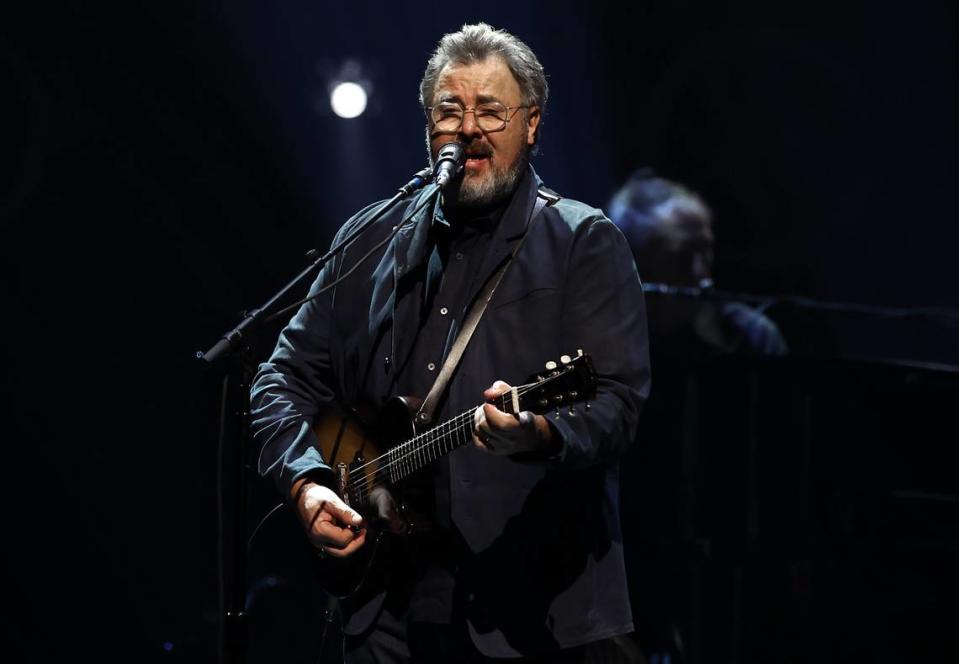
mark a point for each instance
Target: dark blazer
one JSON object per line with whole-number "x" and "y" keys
{"x": 544, "y": 567}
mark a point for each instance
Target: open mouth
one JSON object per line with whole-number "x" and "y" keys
{"x": 476, "y": 159}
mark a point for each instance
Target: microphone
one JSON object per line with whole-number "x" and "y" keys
{"x": 419, "y": 180}
{"x": 449, "y": 163}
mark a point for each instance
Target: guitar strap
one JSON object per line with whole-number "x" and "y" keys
{"x": 544, "y": 198}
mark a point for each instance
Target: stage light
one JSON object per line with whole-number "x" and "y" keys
{"x": 348, "y": 99}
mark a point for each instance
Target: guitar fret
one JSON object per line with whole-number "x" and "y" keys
{"x": 427, "y": 444}
{"x": 408, "y": 458}
{"x": 418, "y": 451}
{"x": 411, "y": 456}
{"x": 419, "y": 454}
{"x": 414, "y": 464}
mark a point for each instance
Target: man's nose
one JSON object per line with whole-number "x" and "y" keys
{"x": 469, "y": 127}
{"x": 700, "y": 266}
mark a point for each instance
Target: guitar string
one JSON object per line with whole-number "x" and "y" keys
{"x": 504, "y": 401}
{"x": 357, "y": 485}
{"x": 522, "y": 389}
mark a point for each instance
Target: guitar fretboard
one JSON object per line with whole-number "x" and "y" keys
{"x": 404, "y": 459}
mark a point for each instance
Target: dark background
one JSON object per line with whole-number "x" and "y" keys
{"x": 166, "y": 165}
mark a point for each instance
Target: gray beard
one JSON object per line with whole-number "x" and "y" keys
{"x": 481, "y": 194}
{"x": 495, "y": 189}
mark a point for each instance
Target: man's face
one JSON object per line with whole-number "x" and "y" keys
{"x": 495, "y": 160}
{"x": 684, "y": 247}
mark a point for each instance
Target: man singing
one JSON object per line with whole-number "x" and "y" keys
{"x": 521, "y": 555}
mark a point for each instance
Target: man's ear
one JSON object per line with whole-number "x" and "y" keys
{"x": 533, "y": 117}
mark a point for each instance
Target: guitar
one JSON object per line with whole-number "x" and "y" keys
{"x": 364, "y": 470}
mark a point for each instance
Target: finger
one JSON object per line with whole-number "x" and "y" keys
{"x": 526, "y": 419}
{"x": 326, "y": 532}
{"x": 327, "y": 512}
{"x": 496, "y": 389}
{"x": 479, "y": 419}
{"x": 349, "y": 549}
{"x": 481, "y": 444}
{"x": 497, "y": 419}
{"x": 343, "y": 512}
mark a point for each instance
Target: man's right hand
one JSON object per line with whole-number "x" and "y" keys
{"x": 332, "y": 526}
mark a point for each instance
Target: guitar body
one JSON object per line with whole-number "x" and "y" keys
{"x": 358, "y": 441}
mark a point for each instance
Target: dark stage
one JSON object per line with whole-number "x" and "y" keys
{"x": 167, "y": 166}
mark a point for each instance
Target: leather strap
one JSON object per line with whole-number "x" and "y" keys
{"x": 426, "y": 411}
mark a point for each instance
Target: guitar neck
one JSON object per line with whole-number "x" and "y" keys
{"x": 423, "y": 449}
{"x": 574, "y": 381}
{"x": 406, "y": 458}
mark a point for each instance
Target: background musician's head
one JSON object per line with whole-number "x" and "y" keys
{"x": 669, "y": 229}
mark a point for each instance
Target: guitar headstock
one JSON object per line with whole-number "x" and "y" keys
{"x": 570, "y": 380}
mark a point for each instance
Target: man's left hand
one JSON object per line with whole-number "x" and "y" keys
{"x": 502, "y": 433}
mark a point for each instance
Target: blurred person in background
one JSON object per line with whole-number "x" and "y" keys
{"x": 670, "y": 231}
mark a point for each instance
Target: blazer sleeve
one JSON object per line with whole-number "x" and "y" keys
{"x": 294, "y": 384}
{"x": 604, "y": 314}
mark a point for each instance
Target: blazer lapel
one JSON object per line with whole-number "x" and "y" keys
{"x": 394, "y": 279}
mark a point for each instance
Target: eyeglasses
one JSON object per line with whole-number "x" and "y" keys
{"x": 447, "y": 117}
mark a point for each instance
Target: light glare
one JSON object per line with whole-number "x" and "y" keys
{"x": 348, "y": 100}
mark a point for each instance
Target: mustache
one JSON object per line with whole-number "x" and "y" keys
{"x": 478, "y": 151}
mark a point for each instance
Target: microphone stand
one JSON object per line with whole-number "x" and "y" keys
{"x": 233, "y": 356}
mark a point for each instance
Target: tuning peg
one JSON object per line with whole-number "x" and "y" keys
{"x": 579, "y": 352}
{"x": 572, "y": 411}
{"x": 565, "y": 359}
{"x": 586, "y": 406}
{"x": 550, "y": 366}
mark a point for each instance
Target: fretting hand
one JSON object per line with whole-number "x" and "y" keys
{"x": 501, "y": 433}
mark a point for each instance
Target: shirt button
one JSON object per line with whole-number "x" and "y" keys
{"x": 431, "y": 366}
{"x": 459, "y": 255}
{"x": 444, "y": 311}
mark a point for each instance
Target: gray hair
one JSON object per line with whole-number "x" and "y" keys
{"x": 475, "y": 43}
{"x": 641, "y": 205}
